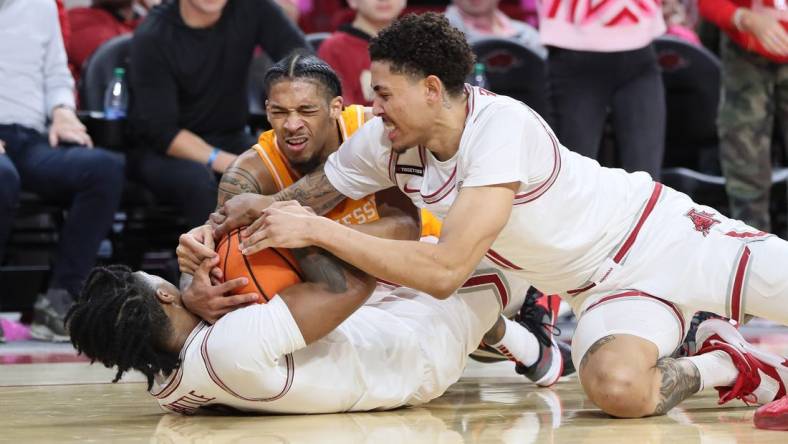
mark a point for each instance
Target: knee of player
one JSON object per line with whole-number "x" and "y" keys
{"x": 617, "y": 388}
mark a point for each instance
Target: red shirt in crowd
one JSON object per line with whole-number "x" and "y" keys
{"x": 721, "y": 13}
{"x": 90, "y": 27}
{"x": 347, "y": 52}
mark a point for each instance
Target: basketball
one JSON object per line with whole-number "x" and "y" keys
{"x": 269, "y": 271}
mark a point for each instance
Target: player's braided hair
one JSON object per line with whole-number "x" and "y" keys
{"x": 118, "y": 322}
{"x": 424, "y": 45}
{"x": 299, "y": 65}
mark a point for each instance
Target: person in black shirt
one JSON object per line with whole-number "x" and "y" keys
{"x": 188, "y": 73}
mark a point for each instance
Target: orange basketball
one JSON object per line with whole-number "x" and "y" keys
{"x": 269, "y": 271}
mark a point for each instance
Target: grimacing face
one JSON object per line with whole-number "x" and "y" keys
{"x": 401, "y": 101}
{"x": 302, "y": 118}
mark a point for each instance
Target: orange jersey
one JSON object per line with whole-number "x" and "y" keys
{"x": 348, "y": 211}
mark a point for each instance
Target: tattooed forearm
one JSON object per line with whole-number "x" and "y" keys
{"x": 313, "y": 190}
{"x": 680, "y": 379}
{"x": 320, "y": 266}
{"x": 237, "y": 180}
{"x": 594, "y": 347}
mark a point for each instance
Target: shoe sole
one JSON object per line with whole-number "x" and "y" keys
{"x": 43, "y": 333}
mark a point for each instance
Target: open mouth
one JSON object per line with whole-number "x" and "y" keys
{"x": 391, "y": 129}
{"x": 296, "y": 143}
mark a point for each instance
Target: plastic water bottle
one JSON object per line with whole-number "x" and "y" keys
{"x": 479, "y": 78}
{"x": 116, "y": 97}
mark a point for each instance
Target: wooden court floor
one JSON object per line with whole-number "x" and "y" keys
{"x": 74, "y": 403}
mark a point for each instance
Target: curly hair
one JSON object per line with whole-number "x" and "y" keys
{"x": 299, "y": 65}
{"x": 424, "y": 45}
{"x": 118, "y": 322}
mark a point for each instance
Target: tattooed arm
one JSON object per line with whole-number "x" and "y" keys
{"x": 333, "y": 291}
{"x": 246, "y": 175}
{"x": 314, "y": 191}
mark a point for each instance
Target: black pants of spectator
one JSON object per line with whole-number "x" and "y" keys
{"x": 586, "y": 85}
{"x": 89, "y": 182}
{"x": 190, "y": 186}
{"x": 9, "y": 198}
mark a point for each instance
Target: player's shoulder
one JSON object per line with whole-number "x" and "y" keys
{"x": 249, "y": 163}
{"x": 502, "y": 110}
{"x": 266, "y": 138}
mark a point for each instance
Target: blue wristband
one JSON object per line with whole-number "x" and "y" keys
{"x": 212, "y": 157}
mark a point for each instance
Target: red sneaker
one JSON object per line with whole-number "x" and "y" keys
{"x": 773, "y": 416}
{"x": 762, "y": 375}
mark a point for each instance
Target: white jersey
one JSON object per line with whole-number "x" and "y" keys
{"x": 400, "y": 348}
{"x": 569, "y": 212}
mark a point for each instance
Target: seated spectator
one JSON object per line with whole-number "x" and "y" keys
{"x": 58, "y": 163}
{"x": 346, "y": 50}
{"x": 482, "y": 18}
{"x": 90, "y": 27}
{"x": 189, "y": 67}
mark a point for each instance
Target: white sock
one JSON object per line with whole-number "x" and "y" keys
{"x": 716, "y": 369}
{"x": 518, "y": 344}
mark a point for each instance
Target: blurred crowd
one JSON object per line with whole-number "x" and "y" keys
{"x": 188, "y": 117}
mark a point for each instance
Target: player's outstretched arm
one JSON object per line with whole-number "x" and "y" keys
{"x": 333, "y": 291}
{"x": 472, "y": 225}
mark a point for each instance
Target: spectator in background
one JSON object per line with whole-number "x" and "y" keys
{"x": 754, "y": 95}
{"x": 679, "y": 22}
{"x": 189, "y": 69}
{"x": 603, "y": 59}
{"x": 482, "y": 18}
{"x": 347, "y": 49}
{"x": 90, "y": 27}
{"x": 57, "y": 163}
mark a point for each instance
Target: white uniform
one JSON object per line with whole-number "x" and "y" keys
{"x": 576, "y": 229}
{"x": 400, "y": 348}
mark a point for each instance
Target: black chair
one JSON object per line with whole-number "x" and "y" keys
{"x": 516, "y": 71}
{"x": 316, "y": 39}
{"x": 691, "y": 76}
{"x": 144, "y": 225}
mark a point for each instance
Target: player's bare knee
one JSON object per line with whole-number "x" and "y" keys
{"x": 619, "y": 390}
{"x": 616, "y": 381}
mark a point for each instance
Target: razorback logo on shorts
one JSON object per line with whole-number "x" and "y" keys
{"x": 702, "y": 220}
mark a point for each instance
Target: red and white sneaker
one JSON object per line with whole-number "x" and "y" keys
{"x": 762, "y": 375}
{"x": 773, "y": 416}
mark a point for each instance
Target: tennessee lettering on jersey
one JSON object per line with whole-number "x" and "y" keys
{"x": 349, "y": 211}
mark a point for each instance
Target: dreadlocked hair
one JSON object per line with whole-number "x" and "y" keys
{"x": 300, "y": 65}
{"x": 423, "y": 45}
{"x": 118, "y": 322}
